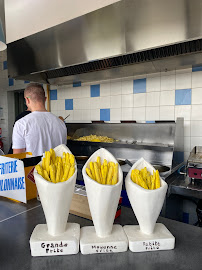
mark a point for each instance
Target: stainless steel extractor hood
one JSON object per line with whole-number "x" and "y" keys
{"x": 127, "y": 38}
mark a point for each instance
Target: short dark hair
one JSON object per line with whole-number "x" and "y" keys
{"x": 35, "y": 92}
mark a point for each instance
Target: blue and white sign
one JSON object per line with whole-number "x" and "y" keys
{"x": 12, "y": 179}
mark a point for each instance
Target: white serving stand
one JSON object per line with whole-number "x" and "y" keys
{"x": 44, "y": 244}
{"x": 146, "y": 205}
{"x": 160, "y": 239}
{"x": 57, "y": 237}
{"x": 90, "y": 243}
{"x": 103, "y": 237}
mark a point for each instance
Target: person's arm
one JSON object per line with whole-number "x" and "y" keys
{"x": 18, "y": 151}
{"x": 19, "y": 144}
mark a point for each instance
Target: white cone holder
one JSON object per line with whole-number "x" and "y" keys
{"x": 147, "y": 204}
{"x": 103, "y": 201}
{"x": 57, "y": 237}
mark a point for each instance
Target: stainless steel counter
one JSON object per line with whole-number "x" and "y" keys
{"x": 18, "y": 220}
{"x": 182, "y": 185}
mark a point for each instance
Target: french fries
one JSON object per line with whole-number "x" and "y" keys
{"x": 56, "y": 169}
{"x": 144, "y": 179}
{"x": 105, "y": 174}
{"x": 96, "y": 138}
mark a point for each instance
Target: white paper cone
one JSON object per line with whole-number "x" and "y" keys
{"x": 56, "y": 198}
{"x": 103, "y": 199}
{"x": 146, "y": 204}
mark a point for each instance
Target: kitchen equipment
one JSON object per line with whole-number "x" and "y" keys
{"x": 83, "y": 159}
{"x": 194, "y": 163}
{"x": 161, "y": 144}
{"x": 160, "y": 168}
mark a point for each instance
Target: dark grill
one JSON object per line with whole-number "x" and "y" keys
{"x": 149, "y": 55}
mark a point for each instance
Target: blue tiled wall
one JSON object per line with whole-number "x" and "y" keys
{"x": 95, "y": 90}
{"x": 139, "y": 86}
{"x": 53, "y": 94}
{"x": 183, "y": 97}
{"x": 105, "y": 114}
{"x": 76, "y": 84}
{"x": 69, "y": 104}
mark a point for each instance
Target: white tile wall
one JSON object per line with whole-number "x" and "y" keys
{"x": 71, "y": 115}
{"x": 196, "y": 79}
{"x": 152, "y": 113}
{"x": 183, "y": 111}
{"x": 158, "y": 103}
{"x": 139, "y": 100}
{"x": 187, "y": 129}
{"x": 168, "y": 82}
{"x": 85, "y": 103}
{"x": 139, "y": 114}
{"x": 60, "y": 104}
{"x": 115, "y": 101}
{"x": 187, "y": 144}
{"x": 86, "y": 115}
{"x": 95, "y": 103}
{"x": 115, "y": 114}
{"x": 127, "y": 114}
{"x": 196, "y": 113}
{"x": 77, "y": 114}
{"x": 127, "y": 101}
{"x": 196, "y": 141}
{"x": 153, "y": 84}
{"x": 197, "y": 95}
{"x": 104, "y": 89}
{"x": 153, "y": 99}
{"x": 85, "y": 91}
{"x": 196, "y": 128}
{"x": 167, "y": 113}
{"x": 115, "y": 88}
{"x": 104, "y": 102}
{"x": 95, "y": 114}
{"x": 127, "y": 86}
{"x": 183, "y": 80}
{"x": 167, "y": 98}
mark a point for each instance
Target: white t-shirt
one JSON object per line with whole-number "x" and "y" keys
{"x": 38, "y": 132}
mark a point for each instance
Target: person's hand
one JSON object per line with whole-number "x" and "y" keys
{"x": 61, "y": 118}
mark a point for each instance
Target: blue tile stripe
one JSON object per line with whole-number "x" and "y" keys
{"x": 105, "y": 114}
{"x": 53, "y": 94}
{"x": 183, "y": 97}
{"x": 95, "y": 90}
{"x": 5, "y": 65}
{"x": 26, "y": 81}
{"x": 76, "y": 84}
{"x": 139, "y": 86}
{"x": 196, "y": 68}
{"x": 10, "y": 82}
{"x": 69, "y": 105}
{"x": 150, "y": 122}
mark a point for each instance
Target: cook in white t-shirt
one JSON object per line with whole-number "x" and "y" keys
{"x": 40, "y": 130}
{"x": 37, "y": 132}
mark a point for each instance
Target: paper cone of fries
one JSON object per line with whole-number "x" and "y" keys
{"x": 145, "y": 203}
{"x": 103, "y": 199}
{"x": 56, "y": 197}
